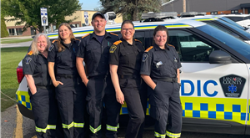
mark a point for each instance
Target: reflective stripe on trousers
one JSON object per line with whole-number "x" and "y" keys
{"x": 173, "y": 135}
{"x": 95, "y": 130}
{"x": 112, "y": 128}
{"x": 45, "y": 129}
{"x": 160, "y": 135}
{"x": 73, "y": 124}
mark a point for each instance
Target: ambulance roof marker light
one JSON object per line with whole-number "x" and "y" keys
{"x": 158, "y": 15}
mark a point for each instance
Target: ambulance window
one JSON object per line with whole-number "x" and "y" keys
{"x": 140, "y": 35}
{"x": 190, "y": 47}
{"x": 223, "y": 29}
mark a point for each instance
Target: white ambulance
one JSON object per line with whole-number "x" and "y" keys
{"x": 215, "y": 75}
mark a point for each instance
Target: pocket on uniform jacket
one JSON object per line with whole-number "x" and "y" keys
{"x": 126, "y": 56}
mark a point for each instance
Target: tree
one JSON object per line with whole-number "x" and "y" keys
{"x": 4, "y": 32}
{"x": 131, "y": 8}
{"x": 28, "y": 11}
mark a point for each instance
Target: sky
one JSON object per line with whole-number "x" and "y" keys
{"x": 90, "y": 4}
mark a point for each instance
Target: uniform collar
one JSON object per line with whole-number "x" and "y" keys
{"x": 67, "y": 44}
{"x": 105, "y": 36}
{"x": 127, "y": 42}
{"x": 157, "y": 48}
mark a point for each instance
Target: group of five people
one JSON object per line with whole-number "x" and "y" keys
{"x": 68, "y": 99}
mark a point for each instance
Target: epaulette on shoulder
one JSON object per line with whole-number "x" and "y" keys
{"x": 117, "y": 42}
{"x": 54, "y": 41}
{"x": 85, "y": 36}
{"x": 171, "y": 45}
{"x": 148, "y": 49}
{"x": 138, "y": 40}
{"x": 114, "y": 34}
{"x": 30, "y": 53}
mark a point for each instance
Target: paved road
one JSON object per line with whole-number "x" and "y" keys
{"x": 23, "y": 44}
{"x": 14, "y": 125}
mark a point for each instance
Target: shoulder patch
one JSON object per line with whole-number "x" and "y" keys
{"x": 117, "y": 42}
{"x": 138, "y": 40}
{"x": 148, "y": 49}
{"x": 27, "y": 60}
{"x": 30, "y": 53}
{"x": 171, "y": 45}
{"x": 114, "y": 34}
{"x": 51, "y": 47}
{"x": 112, "y": 49}
{"x": 85, "y": 36}
{"x": 54, "y": 41}
{"x": 144, "y": 57}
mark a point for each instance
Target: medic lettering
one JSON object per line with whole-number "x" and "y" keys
{"x": 200, "y": 88}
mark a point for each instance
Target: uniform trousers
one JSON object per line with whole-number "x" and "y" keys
{"x": 71, "y": 102}
{"x": 45, "y": 112}
{"x": 166, "y": 109}
{"x": 101, "y": 94}
{"x": 131, "y": 90}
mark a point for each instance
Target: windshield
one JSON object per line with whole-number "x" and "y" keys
{"x": 242, "y": 32}
{"x": 234, "y": 43}
{"x": 232, "y": 22}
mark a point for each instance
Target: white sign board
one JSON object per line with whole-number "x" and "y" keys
{"x": 44, "y": 17}
{"x": 86, "y": 17}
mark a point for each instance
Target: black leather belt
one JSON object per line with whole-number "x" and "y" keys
{"x": 129, "y": 77}
{"x": 45, "y": 87}
{"x": 167, "y": 79}
{"x": 98, "y": 77}
{"x": 70, "y": 76}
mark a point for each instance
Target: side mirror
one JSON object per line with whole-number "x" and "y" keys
{"x": 219, "y": 57}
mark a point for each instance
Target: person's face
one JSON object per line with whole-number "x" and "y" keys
{"x": 41, "y": 44}
{"x": 127, "y": 31}
{"x": 99, "y": 24}
{"x": 160, "y": 38}
{"x": 64, "y": 32}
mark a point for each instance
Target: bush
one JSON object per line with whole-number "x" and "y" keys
{"x": 4, "y": 32}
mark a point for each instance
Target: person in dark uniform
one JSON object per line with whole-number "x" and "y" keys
{"x": 125, "y": 64}
{"x": 94, "y": 51}
{"x": 160, "y": 70}
{"x": 40, "y": 88}
{"x": 70, "y": 93}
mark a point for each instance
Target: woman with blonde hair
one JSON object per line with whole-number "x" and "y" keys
{"x": 70, "y": 92}
{"x": 40, "y": 88}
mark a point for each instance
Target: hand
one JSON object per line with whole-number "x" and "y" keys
{"x": 33, "y": 93}
{"x": 86, "y": 82}
{"x": 120, "y": 97}
{"x": 56, "y": 83}
{"x": 154, "y": 87}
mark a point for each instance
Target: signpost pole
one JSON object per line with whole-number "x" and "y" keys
{"x": 44, "y": 29}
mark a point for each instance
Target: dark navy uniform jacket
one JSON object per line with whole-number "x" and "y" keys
{"x": 37, "y": 66}
{"x": 96, "y": 54}
{"x": 65, "y": 61}
{"x": 127, "y": 57}
{"x": 160, "y": 63}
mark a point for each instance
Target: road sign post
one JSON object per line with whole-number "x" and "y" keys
{"x": 44, "y": 18}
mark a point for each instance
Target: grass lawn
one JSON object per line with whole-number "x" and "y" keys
{"x": 18, "y": 40}
{"x": 10, "y": 57}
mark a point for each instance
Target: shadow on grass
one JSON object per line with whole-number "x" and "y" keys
{"x": 6, "y": 101}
